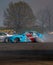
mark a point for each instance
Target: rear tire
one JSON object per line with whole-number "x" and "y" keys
{"x": 35, "y": 40}
{"x": 16, "y": 40}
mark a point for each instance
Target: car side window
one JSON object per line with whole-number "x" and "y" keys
{"x": 2, "y": 34}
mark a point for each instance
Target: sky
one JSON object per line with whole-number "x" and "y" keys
{"x": 35, "y": 5}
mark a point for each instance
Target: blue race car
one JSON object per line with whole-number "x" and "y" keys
{"x": 17, "y": 38}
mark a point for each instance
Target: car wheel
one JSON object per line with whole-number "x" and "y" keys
{"x": 35, "y": 40}
{"x": 16, "y": 40}
{"x": 6, "y": 40}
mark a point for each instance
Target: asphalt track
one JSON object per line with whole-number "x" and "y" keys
{"x": 25, "y": 46}
{"x": 26, "y": 51}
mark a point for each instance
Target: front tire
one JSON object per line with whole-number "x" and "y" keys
{"x": 6, "y": 40}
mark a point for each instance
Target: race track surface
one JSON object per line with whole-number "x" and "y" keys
{"x": 25, "y": 46}
{"x": 37, "y": 51}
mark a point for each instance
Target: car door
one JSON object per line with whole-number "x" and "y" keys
{"x": 2, "y": 36}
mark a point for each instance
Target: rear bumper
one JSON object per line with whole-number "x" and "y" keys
{"x": 39, "y": 40}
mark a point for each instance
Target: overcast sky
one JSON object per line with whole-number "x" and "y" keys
{"x": 36, "y": 5}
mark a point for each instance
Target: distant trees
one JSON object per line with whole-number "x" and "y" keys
{"x": 45, "y": 17}
{"x": 18, "y": 16}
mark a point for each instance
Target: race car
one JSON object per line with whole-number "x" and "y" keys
{"x": 17, "y": 38}
{"x": 3, "y": 35}
{"x": 29, "y": 36}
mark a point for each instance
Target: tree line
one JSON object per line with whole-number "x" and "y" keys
{"x": 19, "y": 16}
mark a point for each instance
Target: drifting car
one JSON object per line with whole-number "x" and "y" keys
{"x": 17, "y": 38}
{"x": 3, "y": 35}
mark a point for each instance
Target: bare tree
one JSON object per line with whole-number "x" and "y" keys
{"x": 45, "y": 17}
{"x": 18, "y": 15}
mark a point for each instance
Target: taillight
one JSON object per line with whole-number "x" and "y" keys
{"x": 32, "y": 39}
